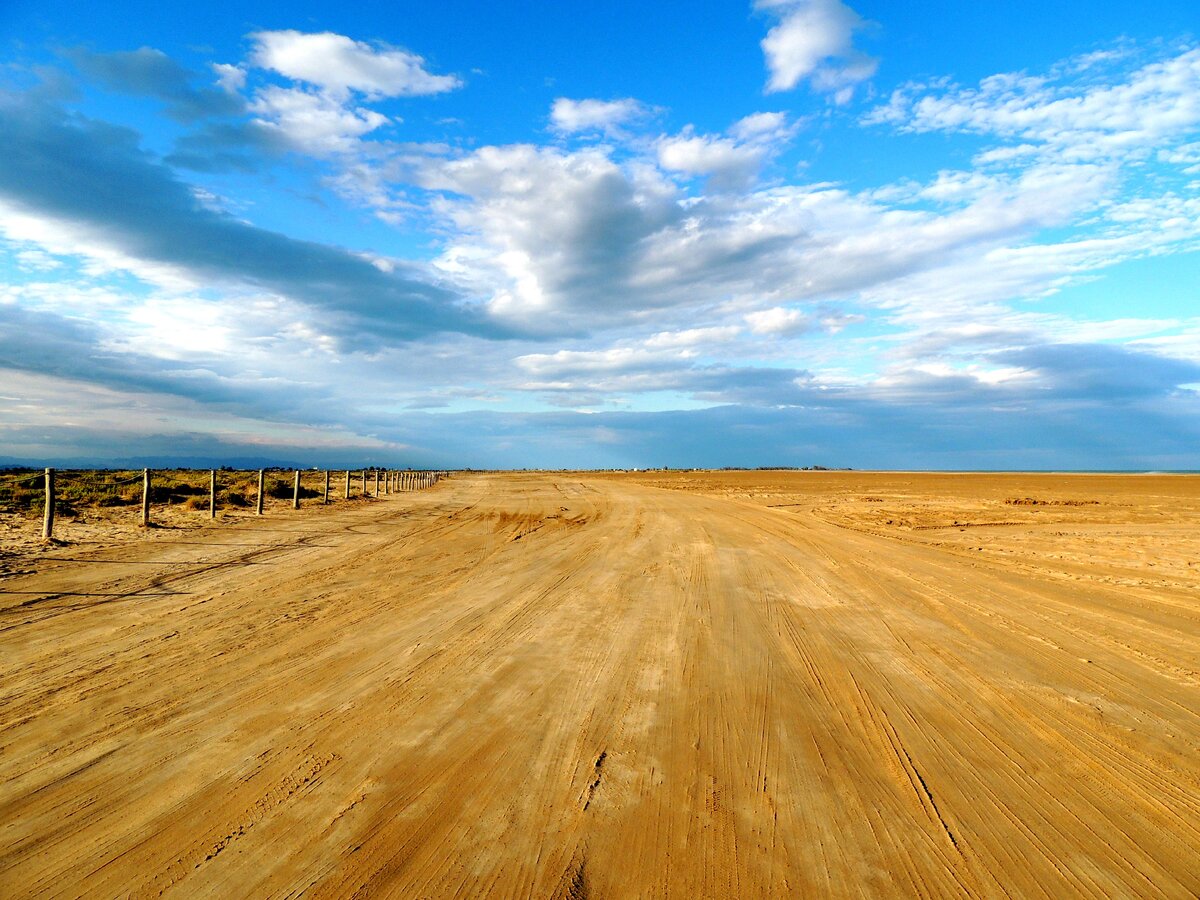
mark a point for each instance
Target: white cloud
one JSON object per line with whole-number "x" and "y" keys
{"x": 691, "y": 338}
{"x": 763, "y": 128}
{"x": 813, "y": 41}
{"x": 37, "y": 260}
{"x": 573, "y": 116}
{"x": 730, "y": 162}
{"x": 229, "y": 78}
{"x": 1156, "y": 104}
{"x": 314, "y": 122}
{"x": 554, "y": 239}
{"x": 778, "y": 321}
{"x": 338, "y": 64}
{"x": 548, "y": 234}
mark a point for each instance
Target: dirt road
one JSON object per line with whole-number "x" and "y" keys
{"x": 580, "y": 686}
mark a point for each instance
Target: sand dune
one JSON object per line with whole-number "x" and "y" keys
{"x": 700, "y": 685}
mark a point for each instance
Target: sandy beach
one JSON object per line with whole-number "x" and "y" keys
{"x": 697, "y": 684}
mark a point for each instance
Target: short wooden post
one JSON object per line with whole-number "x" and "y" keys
{"x": 296, "y": 491}
{"x": 260, "y": 492}
{"x": 48, "y": 515}
{"x": 212, "y": 493}
{"x": 326, "y": 500}
{"x": 145, "y": 498}
{"x": 364, "y": 477}
{"x": 347, "y": 484}
{"x": 376, "y": 482}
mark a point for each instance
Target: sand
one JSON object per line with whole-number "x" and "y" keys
{"x": 573, "y": 685}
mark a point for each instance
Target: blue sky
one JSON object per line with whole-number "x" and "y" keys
{"x": 785, "y": 232}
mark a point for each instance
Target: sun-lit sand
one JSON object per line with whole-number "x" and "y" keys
{"x": 706, "y": 684}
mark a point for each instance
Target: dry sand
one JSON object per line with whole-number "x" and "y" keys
{"x": 695, "y": 685}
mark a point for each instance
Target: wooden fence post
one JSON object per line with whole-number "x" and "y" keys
{"x": 376, "y": 482}
{"x": 326, "y": 500}
{"x": 48, "y": 515}
{"x": 347, "y": 484}
{"x": 212, "y": 493}
{"x": 145, "y": 498}
{"x": 260, "y": 492}
{"x": 364, "y": 476}
{"x": 296, "y": 491}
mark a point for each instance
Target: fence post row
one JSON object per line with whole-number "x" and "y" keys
{"x": 48, "y": 513}
{"x": 393, "y": 482}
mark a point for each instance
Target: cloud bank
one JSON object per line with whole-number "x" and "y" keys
{"x": 619, "y": 287}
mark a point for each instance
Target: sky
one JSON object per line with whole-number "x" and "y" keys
{"x": 565, "y": 235}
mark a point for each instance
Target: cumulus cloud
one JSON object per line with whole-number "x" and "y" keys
{"x": 731, "y": 161}
{"x": 547, "y": 233}
{"x": 311, "y": 122}
{"x": 813, "y": 41}
{"x": 230, "y": 79}
{"x": 569, "y": 116}
{"x": 730, "y": 164}
{"x": 338, "y": 64}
